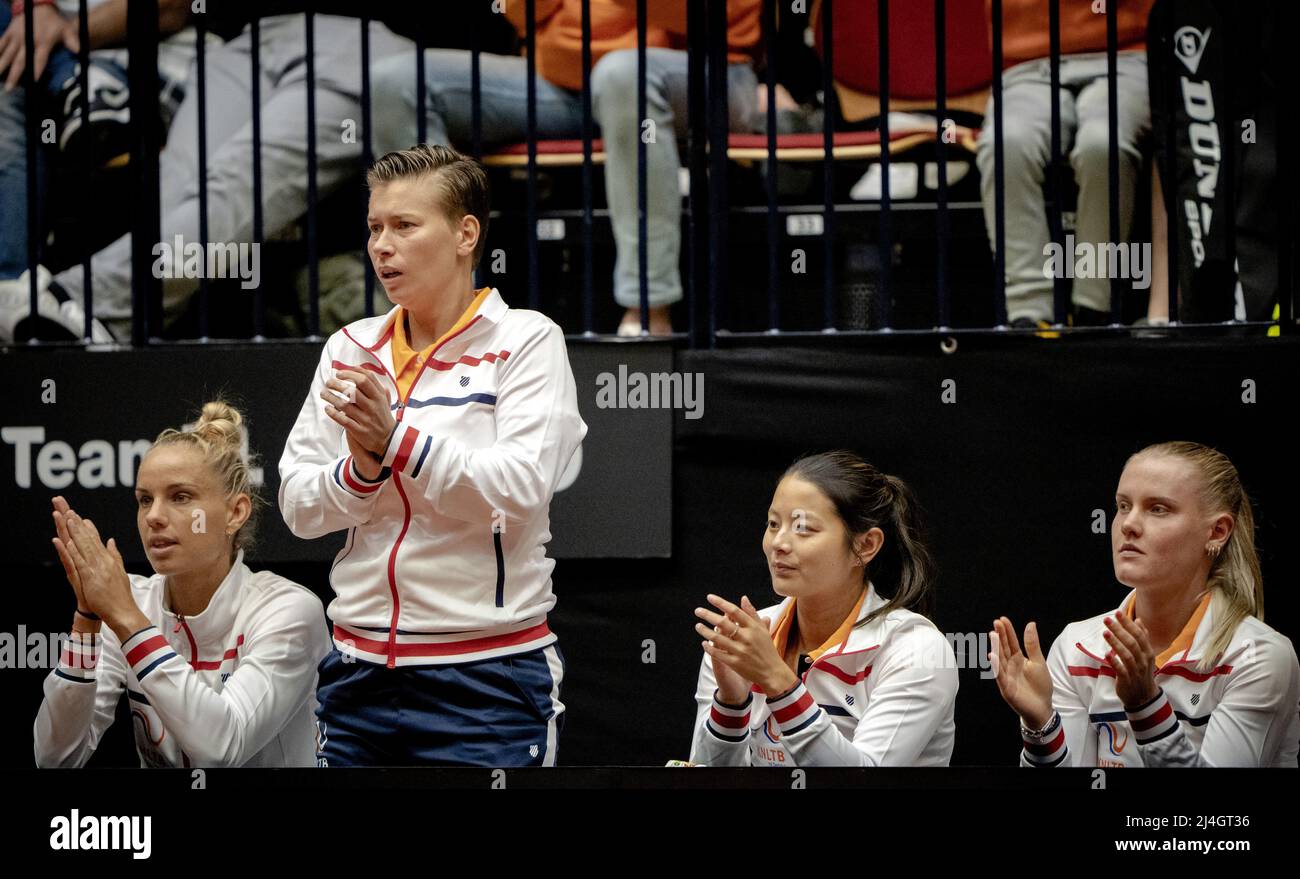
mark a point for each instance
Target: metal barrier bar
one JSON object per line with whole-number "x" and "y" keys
{"x": 33, "y": 136}
{"x": 1170, "y": 189}
{"x": 1057, "y": 169}
{"x": 642, "y": 207}
{"x": 534, "y": 262}
{"x": 201, "y": 87}
{"x": 942, "y": 219}
{"x": 1228, "y": 172}
{"x": 83, "y": 108}
{"x": 367, "y": 159}
{"x": 699, "y": 301}
{"x": 421, "y": 117}
{"x": 716, "y": 81}
{"x": 884, "y": 307}
{"x": 1112, "y": 147}
{"x": 999, "y": 180}
{"x": 773, "y": 215}
{"x": 146, "y": 221}
{"x": 828, "y": 170}
{"x": 476, "y": 109}
{"x": 588, "y": 186}
{"x": 313, "y": 231}
{"x": 1282, "y": 136}
{"x": 255, "y": 101}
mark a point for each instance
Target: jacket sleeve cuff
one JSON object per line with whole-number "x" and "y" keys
{"x": 350, "y": 479}
{"x": 408, "y": 450}
{"x": 1048, "y": 748}
{"x": 730, "y": 723}
{"x": 794, "y": 710}
{"x": 145, "y": 651}
{"x": 1153, "y": 721}
{"x": 79, "y": 657}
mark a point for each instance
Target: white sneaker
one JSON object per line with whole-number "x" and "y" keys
{"x": 16, "y": 301}
{"x": 54, "y": 320}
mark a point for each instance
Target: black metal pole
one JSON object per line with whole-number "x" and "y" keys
{"x": 313, "y": 228}
{"x": 999, "y": 179}
{"x": 828, "y": 170}
{"x": 885, "y": 306}
{"x": 142, "y": 80}
{"x": 773, "y": 214}
{"x": 588, "y": 186}
{"x": 201, "y": 86}
{"x": 642, "y": 192}
{"x": 367, "y": 157}
{"x": 941, "y": 152}
{"x": 534, "y": 262}
{"x": 255, "y": 97}
{"x": 83, "y": 108}
{"x": 718, "y": 164}
{"x": 1112, "y": 106}
{"x": 700, "y": 297}
{"x": 1060, "y": 283}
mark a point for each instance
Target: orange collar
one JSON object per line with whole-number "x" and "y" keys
{"x": 781, "y": 635}
{"x": 404, "y": 355}
{"x": 1183, "y": 642}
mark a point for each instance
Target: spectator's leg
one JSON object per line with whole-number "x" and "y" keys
{"x": 1026, "y": 150}
{"x": 228, "y": 74}
{"x": 13, "y": 182}
{"x": 447, "y": 106}
{"x": 13, "y": 174}
{"x": 1090, "y": 156}
{"x": 284, "y": 182}
{"x": 614, "y": 91}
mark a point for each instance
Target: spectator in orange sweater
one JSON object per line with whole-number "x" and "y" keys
{"x": 447, "y": 108}
{"x": 1085, "y": 137}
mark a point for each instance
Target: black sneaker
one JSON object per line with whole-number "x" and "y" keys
{"x": 1088, "y": 317}
{"x": 1045, "y": 330}
{"x": 110, "y": 113}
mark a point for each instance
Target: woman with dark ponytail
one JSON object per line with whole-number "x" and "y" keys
{"x": 847, "y": 671}
{"x": 1184, "y": 672}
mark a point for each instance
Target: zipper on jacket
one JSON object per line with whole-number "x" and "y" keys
{"x": 397, "y": 480}
{"x": 501, "y": 570}
{"x": 194, "y": 647}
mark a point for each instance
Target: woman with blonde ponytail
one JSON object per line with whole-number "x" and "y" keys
{"x": 218, "y": 661}
{"x": 845, "y": 675}
{"x": 1184, "y": 673}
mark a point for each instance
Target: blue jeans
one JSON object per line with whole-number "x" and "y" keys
{"x": 504, "y": 89}
{"x": 13, "y": 155}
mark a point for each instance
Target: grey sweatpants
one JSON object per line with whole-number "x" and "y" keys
{"x": 1085, "y": 134}
{"x": 283, "y": 74}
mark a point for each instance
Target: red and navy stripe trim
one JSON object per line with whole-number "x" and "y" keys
{"x": 795, "y": 710}
{"x": 1153, "y": 721}
{"x": 145, "y": 651}
{"x": 730, "y": 723}
{"x": 351, "y": 481}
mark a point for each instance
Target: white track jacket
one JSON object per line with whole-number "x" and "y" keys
{"x": 445, "y": 559}
{"x": 1243, "y": 711}
{"x": 883, "y": 697}
{"x": 232, "y": 686}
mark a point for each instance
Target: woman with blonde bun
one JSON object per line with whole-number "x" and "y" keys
{"x": 218, "y": 661}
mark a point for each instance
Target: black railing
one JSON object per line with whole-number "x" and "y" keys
{"x": 712, "y": 307}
